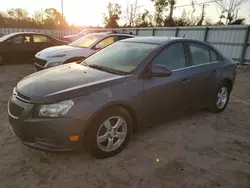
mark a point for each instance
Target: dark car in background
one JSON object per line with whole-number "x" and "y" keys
{"x": 72, "y": 38}
{"x": 130, "y": 84}
{"x": 22, "y": 47}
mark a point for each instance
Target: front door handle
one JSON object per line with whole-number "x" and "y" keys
{"x": 185, "y": 81}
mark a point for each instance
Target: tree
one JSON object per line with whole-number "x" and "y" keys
{"x": 230, "y": 8}
{"x": 18, "y": 13}
{"x": 160, "y": 8}
{"x": 113, "y": 15}
{"x": 38, "y": 17}
{"x": 171, "y": 4}
{"x": 144, "y": 19}
{"x": 54, "y": 18}
{"x": 131, "y": 14}
{"x": 238, "y": 22}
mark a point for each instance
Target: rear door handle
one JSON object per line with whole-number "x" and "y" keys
{"x": 185, "y": 81}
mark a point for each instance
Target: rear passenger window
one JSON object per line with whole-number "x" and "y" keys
{"x": 172, "y": 57}
{"x": 200, "y": 54}
{"x": 214, "y": 56}
{"x": 40, "y": 38}
{"x": 123, "y": 37}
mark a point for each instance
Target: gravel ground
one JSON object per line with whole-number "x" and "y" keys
{"x": 197, "y": 150}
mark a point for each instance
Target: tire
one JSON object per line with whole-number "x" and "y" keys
{"x": 2, "y": 61}
{"x": 98, "y": 136}
{"x": 216, "y": 106}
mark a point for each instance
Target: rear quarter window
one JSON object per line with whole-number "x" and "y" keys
{"x": 215, "y": 56}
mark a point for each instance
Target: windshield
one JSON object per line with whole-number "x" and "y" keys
{"x": 121, "y": 56}
{"x": 85, "y": 41}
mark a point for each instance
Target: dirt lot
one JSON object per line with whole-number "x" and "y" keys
{"x": 198, "y": 150}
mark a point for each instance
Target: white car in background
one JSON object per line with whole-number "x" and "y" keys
{"x": 76, "y": 51}
{"x": 71, "y": 38}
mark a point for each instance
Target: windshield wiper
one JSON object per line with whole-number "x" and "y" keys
{"x": 84, "y": 63}
{"x": 99, "y": 67}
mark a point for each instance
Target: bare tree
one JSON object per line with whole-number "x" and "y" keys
{"x": 131, "y": 13}
{"x": 113, "y": 15}
{"x": 230, "y": 7}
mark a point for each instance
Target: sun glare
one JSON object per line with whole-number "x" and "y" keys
{"x": 82, "y": 13}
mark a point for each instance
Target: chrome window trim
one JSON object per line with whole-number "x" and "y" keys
{"x": 195, "y": 66}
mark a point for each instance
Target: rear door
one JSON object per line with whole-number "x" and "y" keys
{"x": 200, "y": 74}
{"x": 40, "y": 42}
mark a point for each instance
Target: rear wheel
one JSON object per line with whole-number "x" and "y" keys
{"x": 109, "y": 133}
{"x": 220, "y": 100}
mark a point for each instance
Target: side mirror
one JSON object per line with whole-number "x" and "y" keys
{"x": 160, "y": 71}
{"x": 99, "y": 46}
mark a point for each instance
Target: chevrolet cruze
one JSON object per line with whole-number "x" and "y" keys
{"x": 131, "y": 84}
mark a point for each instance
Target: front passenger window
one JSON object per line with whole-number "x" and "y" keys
{"x": 172, "y": 57}
{"x": 104, "y": 43}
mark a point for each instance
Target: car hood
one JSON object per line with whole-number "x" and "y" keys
{"x": 65, "y": 82}
{"x": 57, "y": 50}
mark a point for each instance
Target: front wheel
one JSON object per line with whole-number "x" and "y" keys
{"x": 109, "y": 132}
{"x": 220, "y": 100}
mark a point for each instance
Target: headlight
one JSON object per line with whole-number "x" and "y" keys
{"x": 57, "y": 55}
{"x": 54, "y": 110}
{"x": 53, "y": 64}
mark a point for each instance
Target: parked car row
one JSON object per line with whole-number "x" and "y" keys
{"x": 130, "y": 84}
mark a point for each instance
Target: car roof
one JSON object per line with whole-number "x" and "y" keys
{"x": 158, "y": 40}
{"x": 27, "y": 33}
{"x": 104, "y": 34}
{"x": 22, "y": 33}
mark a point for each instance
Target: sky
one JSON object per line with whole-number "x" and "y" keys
{"x": 90, "y": 12}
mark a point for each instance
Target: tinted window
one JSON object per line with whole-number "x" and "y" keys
{"x": 20, "y": 39}
{"x": 123, "y": 37}
{"x": 199, "y": 54}
{"x": 173, "y": 57}
{"x": 121, "y": 56}
{"x": 86, "y": 41}
{"x": 40, "y": 38}
{"x": 214, "y": 56}
{"x": 107, "y": 42}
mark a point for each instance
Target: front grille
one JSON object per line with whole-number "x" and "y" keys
{"x": 15, "y": 110}
{"x": 40, "y": 61}
{"x": 23, "y": 97}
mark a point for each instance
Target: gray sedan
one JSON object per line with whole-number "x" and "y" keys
{"x": 129, "y": 85}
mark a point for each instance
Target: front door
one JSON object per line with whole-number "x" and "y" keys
{"x": 19, "y": 48}
{"x": 166, "y": 96}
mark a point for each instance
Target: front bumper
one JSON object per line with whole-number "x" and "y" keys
{"x": 51, "y": 134}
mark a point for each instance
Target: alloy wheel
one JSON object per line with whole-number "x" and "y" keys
{"x": 222, "y": 97}
{"x": 112, "y": 134}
